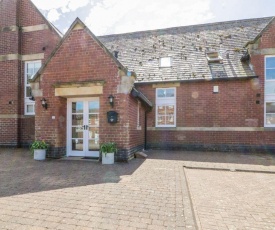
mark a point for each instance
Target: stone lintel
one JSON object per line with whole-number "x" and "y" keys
{"x": 166, "y": 85}
{"x": 35, "y": 28}
{"x": 81, "y": 91}
{"x": 27, "y": 57}
{"x": 9, "y": 29}
{"x": 78, "y": 84}
{"x": 13, "y": 116}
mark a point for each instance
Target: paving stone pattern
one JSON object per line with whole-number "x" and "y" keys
{"x": 86, "y": 195}
{"x": 233, "y": 200}
{"x": 143, "y": 194}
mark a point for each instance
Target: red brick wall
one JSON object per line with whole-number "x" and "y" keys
{"x": 136, "y": 136}
{"x": 234, "y": 106}
{"x": 21, "y": 128}
{"x": 197, "y": 106}
{"x": 30, "y": 15}
{"x": 9, "y": 79}
{"x": 81, "y": 59}
{"x": 8, "y": 13}
{"x": 42, "y": 41}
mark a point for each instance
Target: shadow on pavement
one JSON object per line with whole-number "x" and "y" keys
{"x": 214, "y": 157}
{"x": 20, "y": 174}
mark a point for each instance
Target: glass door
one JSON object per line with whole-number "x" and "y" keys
{"x": 83, "y": 127}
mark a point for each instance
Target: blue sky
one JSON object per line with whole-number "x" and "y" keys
{"x": 122, "y": 16}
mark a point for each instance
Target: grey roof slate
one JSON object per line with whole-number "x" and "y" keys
{"x": 140, "y": 51}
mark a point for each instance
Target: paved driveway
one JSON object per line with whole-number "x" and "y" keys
{"x": 157, "y": 193}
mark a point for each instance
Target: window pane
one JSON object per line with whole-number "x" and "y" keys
{"x": 270, "y": 74}
{"x": 270, "y": 107}
{"x": 93, "y": 145}
{"x": 161, "y": 92}
{"x": 170, "y": 120}
{"x": 77, "y": 132}
{"x": 77, "y": 107}
{"x": 270, "y": 87}
{"x": 93, "y": 107}
{"x": 161, "y": 110}
{"x": 270, "y": 62}
{"x": 270, "y": 119}
{"x": 28, "y": 91}
{"x": 161, "y": 120}
{"x": 170, "y": 110}
{"x": 77, "y": 144}
{"x": 30, "y": 108}
{"x": 30, "y": 66}
{"x": 93, "y": 133}
{"x": 37, "y": 66}
{"x": 170, "y": 92}
{"x": 77, "y": 119}
{"x": 93, "y": 119}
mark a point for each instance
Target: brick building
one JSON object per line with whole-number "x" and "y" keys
{"x": 26, "y": 41}
{"x": 206, "y": 86}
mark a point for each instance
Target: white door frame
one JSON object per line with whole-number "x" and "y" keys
{"x": 86, "y": 152}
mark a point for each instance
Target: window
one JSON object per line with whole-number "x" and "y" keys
{"x": 270, "y": 91}
{"x": 214, "y": 57}
{"x": 166, "y": 107}
{"x": 30, "y": 69}
{"x": 165, "y": 62}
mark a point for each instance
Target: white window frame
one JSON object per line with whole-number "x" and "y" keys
{"x": 27, "y": 100}
{"x": 160, "y": 101}
{"x": 165, "y": 62}
{"x": 269, "y": 98}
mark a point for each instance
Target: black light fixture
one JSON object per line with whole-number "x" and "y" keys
{"x": 111, "y": 100}
{"x": 44, "y": 103}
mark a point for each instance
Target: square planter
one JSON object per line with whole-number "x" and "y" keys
{"x": 39, "y": 154}
{"x": 108, "y": 158}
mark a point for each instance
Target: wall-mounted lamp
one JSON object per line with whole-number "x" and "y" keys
{"x": 111, "y": 100}
{"x": 44, "y": 103}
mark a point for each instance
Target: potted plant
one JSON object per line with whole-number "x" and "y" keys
{"x": 108, "y": 151}
{"x": 38, "y": 149}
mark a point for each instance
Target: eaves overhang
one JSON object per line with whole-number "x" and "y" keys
{"x": 137, "y": 94}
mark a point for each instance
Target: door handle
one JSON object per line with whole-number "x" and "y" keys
{"x": 85, "y": 127}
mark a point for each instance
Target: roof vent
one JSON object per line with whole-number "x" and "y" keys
{"x": 214, "y": 57}
{"x": 245, "y": 57}
{"x": 116, "y": 53}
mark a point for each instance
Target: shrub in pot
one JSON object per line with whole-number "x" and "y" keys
{"x": 108, "y": 150}
{"x": 38, "y": 149}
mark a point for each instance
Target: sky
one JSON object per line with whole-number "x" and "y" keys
{"x": 122, "y": 16}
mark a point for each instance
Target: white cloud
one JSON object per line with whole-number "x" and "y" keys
{"x": 64, "y": 5}
{"x": 50, "y": 4}
{"x": 75, "y": 4}
{"x": 118, "y": 16}
{"x": 53, "y": 15}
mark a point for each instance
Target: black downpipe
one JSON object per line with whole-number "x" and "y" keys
{"x": 145, "y": 130}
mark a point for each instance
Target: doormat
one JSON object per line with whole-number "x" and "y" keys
{"x": 90, "y": 158}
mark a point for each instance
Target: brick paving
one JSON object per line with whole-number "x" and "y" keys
{"x": 57, "y": 194}
{"x": 143, "y": 194}
{"x": 232, "y": 199}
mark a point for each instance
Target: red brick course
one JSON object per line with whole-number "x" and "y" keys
{"x": 19, "y": 13}
{"x": 81, "y": 59}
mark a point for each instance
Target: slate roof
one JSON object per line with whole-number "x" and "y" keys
{"x": 140, "y": 51}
